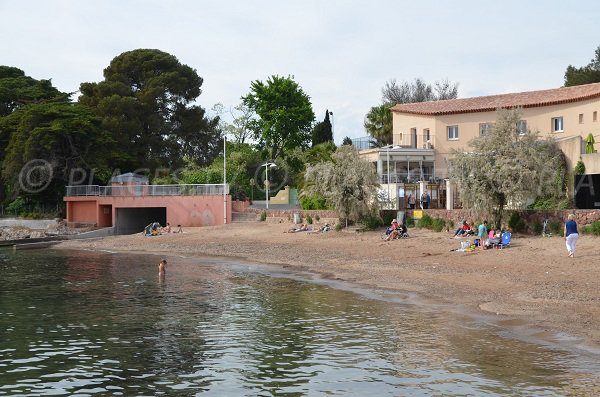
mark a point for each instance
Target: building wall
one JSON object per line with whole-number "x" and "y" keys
{"x": 187, "y": 211}
{"x": 85, "y": 211}
{"x": 538, "y": 119}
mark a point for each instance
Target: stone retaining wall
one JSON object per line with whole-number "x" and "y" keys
{"x": 582, "y": 217}
{"x": 279, "y": 216}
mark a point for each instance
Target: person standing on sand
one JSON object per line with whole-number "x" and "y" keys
{"x": 482, "y": 233}
{"x": 571, "y": 235}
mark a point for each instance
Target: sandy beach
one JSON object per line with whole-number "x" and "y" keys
{"x": 530, "y": 282}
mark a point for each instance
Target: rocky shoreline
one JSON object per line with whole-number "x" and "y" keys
{"x": 19, "y": 232}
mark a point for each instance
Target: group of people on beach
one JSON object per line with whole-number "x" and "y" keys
{"x": 156, "y": 229}
{"x": 305, "y": 228}
{"x": 485, "y": 237}
{"x": 489, "y": 238}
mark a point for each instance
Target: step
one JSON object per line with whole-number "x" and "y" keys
{"x": 237, "y": 217}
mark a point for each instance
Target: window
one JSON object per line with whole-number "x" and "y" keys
{"x": 452, "y": 132}
{"x": 557, "y": 124}
{"x": 580, "y": 118}
{"x": 427, "y": 138}
{"x": 485, "y": 128}
{"x": 595, "y": 116}
{"x": 521, "y": 127}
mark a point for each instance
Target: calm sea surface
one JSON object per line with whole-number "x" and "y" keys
{"x": 85, "y": 324}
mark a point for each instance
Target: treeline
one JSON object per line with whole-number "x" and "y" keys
{"x": 144, "y": 117}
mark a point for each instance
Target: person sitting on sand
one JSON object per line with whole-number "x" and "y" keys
{"x": 166, "y": 229}
{"x": 393, "y": 231}
{"x": 179, "y": 229}
{"x": 462, "y": 230}
{"x": 492, "y": 239}
{"x": 162, "y": 267}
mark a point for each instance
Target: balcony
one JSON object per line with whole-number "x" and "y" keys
{"x": 147, "y": 190}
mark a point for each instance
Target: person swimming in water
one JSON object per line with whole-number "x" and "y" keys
{"x": 162, "y": 267}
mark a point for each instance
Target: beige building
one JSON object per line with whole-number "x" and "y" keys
{"x": 568, "y": 114}
{"x": 424, "y": 134}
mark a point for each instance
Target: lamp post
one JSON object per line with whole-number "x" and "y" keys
{"x": 224, "y": 180}
{"x": 267, "y": 187}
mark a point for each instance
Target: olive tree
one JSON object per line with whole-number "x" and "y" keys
{"x": 348, "y": 183}
{"x": 508, "y": 166}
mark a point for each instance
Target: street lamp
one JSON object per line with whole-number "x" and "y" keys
{"x": 267, "y": 187}
{"x": 224, "y": 180}
{"x": 388, "y": 170}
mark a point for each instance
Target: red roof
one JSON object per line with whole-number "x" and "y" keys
{"x": 528, "y": 99}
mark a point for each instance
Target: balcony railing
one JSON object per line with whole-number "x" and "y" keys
{"x": 147, "y": 190}
{"x": 402, "y": 177}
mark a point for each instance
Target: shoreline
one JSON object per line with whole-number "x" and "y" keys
{"x": 532, "y": 282}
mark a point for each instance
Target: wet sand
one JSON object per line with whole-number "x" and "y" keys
{"x": 530, "y": 282}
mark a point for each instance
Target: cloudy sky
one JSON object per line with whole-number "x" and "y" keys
{"x": 340, "y": 52}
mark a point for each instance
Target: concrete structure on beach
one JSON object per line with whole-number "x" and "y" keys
{"x": 129, "y": 203}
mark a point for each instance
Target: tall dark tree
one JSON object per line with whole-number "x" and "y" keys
{"x": 146, "y": 102}
{"x": 347, "y": 141}
{"x": 50, "y": 144}
{"x": 285, "y": 114}
{"x": 322, "y": 132}
{"x": 584, "y": 75}
{"x": 17, "y": 89}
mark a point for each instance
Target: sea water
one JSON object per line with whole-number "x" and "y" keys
{"x": 90, "y": 324}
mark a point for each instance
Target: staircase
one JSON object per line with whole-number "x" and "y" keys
{"x": 240, "y": 217}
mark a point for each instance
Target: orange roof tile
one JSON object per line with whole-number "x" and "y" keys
{"x": 492, "y": 102}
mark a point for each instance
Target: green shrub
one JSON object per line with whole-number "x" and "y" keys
{"x": 338, "y": 227}
{"x": 313, "y": 202}
{"x": 410, "y": 222}
{"x": 555, "y": 227}
{"x": 425, "y": 222}
{"x": 593, "y": 228}
{"x": 438, "y": 224}
{"x": 263, "y": 216}
{"x": 550, "y": 203}
{"x": 317, "y": 218}
{"x": 309, "y": 219}
{"x": 450, "y": 224}
{"x": 516, "y": 223}
{"x": 388, "y": 216}
{"x": 537, "y": 227}
{"x": 17, "y": 206}
{"x": 371, "y": 222}
{"x": 579, "y": 168}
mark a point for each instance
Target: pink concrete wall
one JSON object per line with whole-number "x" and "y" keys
{"x": 83, "y": 212}
{"x": 181, "y": 210}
